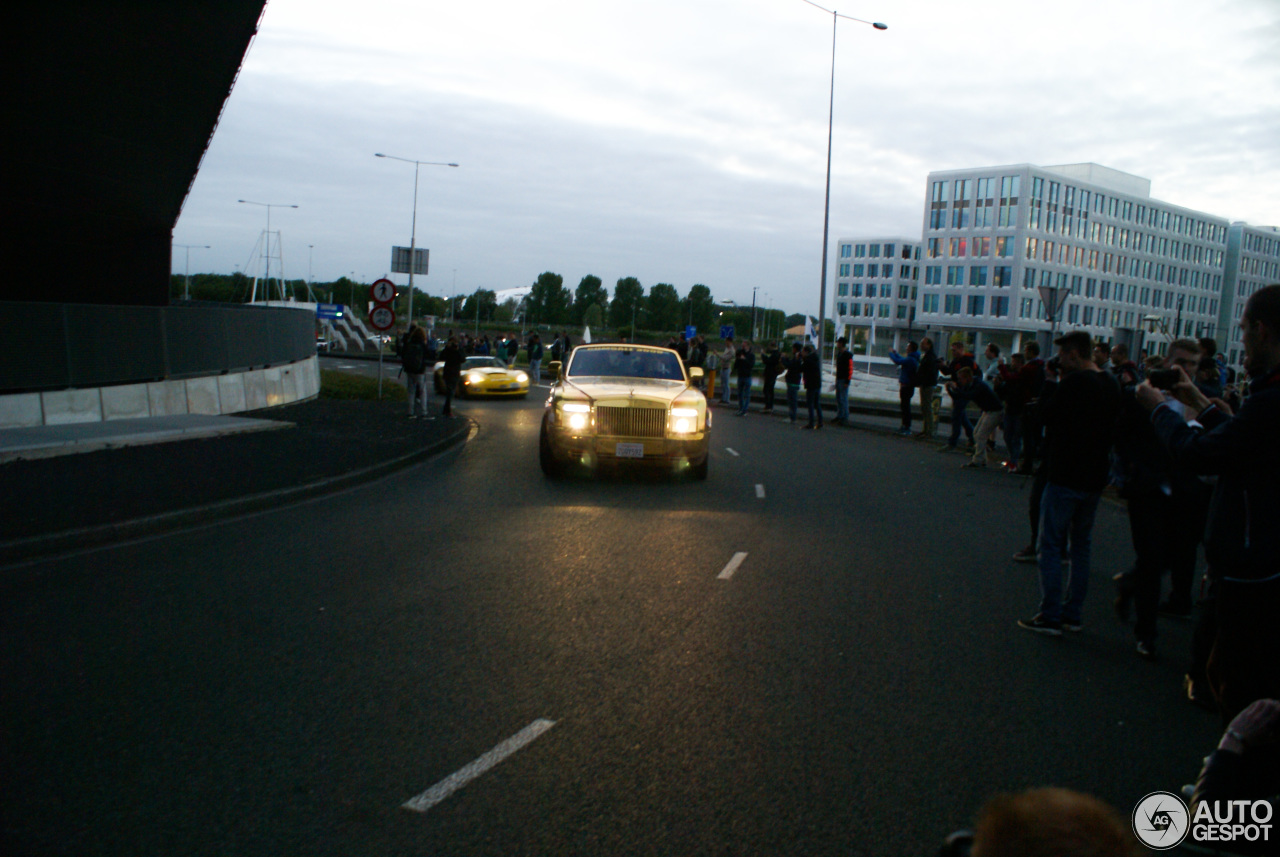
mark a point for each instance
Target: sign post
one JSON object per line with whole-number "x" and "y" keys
{"x": 382, "y": 316}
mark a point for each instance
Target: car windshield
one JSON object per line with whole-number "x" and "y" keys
{"x": 626, "y": 363}
{"x": 483, "y": 363}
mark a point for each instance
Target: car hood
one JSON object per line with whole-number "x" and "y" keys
{"x": 619, "y": 393}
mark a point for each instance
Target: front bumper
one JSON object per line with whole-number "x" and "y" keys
{"x": 628, "y": 451}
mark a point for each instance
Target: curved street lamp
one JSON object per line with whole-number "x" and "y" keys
{"x": 826, "y": 211}
{"x": 413, "y": 234}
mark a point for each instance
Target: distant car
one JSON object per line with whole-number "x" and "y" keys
{"x": 322, "y": 345}
{"x": 619, "y": 404}
{"x": 485, "y": 376}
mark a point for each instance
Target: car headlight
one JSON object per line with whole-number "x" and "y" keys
{"x": 521, "y": 377}
{"x": 475, "y": 378}
{"x": 577, "y": 415}
{"x": 684, "y": 420}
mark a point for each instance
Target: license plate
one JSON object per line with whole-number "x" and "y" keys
{"x": 630, "y": 450}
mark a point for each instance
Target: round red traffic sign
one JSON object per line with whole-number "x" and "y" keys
{"x": 382, "y": 317}
{"x": 382, "y": 291}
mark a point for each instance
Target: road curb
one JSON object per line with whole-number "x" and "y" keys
{"x": 34, "y": 547}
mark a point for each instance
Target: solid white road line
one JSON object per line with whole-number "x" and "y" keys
{"x": 731, "y": 451}
{"x": 728, "y": 570}
{"x": 759, "y": 491}
{"x": 466, "y": 774}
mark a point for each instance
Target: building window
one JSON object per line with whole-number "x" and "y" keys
{"x": 844, "y": 269}
{"x": 955, "y": 275}
{"x": 843, "y": 290}
{"x": 846, "y": 250}
{"x": 889, "y": 250}
{"x": 860, "y": 251}
{"x": 959, "y": 248}
{"x": 859, "y": 269}
{"x": 978, "y": 275}
{"x": 1002, "y": 275}
{"x": 930, "y": 303}
{"x": 933, "y": 275}
{"x": 977, "y": 304}
{"x": 875, "y": 251}
{"x": 982, "y": 247}
{"x": 952, "y": 305}
{"x": 999, "y": 307}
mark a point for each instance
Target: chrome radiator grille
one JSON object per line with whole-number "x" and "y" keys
{"x": 632, "y": 422}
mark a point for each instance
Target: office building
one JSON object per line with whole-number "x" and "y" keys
{"x": 1252, "y": 261}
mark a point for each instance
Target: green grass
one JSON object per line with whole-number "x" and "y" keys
{"x": 341, "y": 385}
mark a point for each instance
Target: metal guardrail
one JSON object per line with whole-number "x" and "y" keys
{"x": 50, "y": 346}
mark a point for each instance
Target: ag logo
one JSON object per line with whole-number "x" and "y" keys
{"x": 1160, "y": 821}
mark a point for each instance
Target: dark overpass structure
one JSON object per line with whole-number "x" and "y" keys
{"x": 110, "y": 109}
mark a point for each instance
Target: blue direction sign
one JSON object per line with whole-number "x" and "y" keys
{"x": 330, "y": 310}
{"x": 690, "y": 331}
{"x": 726, "y": 331}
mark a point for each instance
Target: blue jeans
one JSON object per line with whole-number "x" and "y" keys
{"x": 959, "y": 420}
{"x": 814, "y": 405}
{"x": 535, "y": 372}
{"x": 744, "y": 393}
{"x": 724, "y": 388}
{"x": 842, "y": 401}
{"x": 1065, "y": 513}
{"x": 793, "y": 400}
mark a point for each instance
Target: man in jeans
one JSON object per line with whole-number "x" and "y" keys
{"x": 744, "y": 362}
{"x": 907, "y": 365}
{"x": 1079, "y": 427}
{"x": 926, "y": 381}
{"x": 844, "y": 374}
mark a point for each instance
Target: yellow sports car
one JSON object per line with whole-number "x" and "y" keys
{"x": 625, "y": 404}
{"x": 485, "y": 376}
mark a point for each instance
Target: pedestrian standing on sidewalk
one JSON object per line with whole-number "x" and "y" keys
{"x": 535, "y": 359}
{"x": 908, "y": 366}
{"x": 452, "y": 372}
{"x": 927, "y": 382}
{"x": 771, "y": 360}
{"x": 959, "y": 419}
{"x": 794, "y": 375}
{"x": 1080, "y": 426}
{"x": 727, "y": 357}
{"x": 712, "y": 365}
{"x": 413, "y": 357}
{"x": 744, "y": 362}
{"x": 811, "y": 368}
{"x": 844, "y": 376}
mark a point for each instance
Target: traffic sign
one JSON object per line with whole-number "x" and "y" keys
{"x": 726, "y": 331}
{"x": 382, "y": 317}
{"x": 382, "y": 291}
{"x": 329, "y": 310}
{"x": 690, "y": 331}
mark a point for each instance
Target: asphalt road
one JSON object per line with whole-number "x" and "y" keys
{"x": 285, "y": 682}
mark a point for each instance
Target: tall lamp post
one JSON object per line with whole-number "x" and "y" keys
{"x": 826, "y": 211}
{"x": 186, "y": 288}
{"x": 413, "y": 234}
{"x": 266, "y": 274}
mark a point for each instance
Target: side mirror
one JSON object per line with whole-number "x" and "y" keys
{"x": 554, "y": 368}
{"x": 695, "y": 372}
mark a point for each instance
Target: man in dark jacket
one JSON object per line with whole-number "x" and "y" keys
{"x": 1080, "y": 425}
{"x": 977, "y": 391}
{"x": 452, "y": 357}
{"x": 743, "y": 362}
{"x": 1167, "y": 508}
{"x": 1242, "y": 543}
{"x": 926, "y": 381}
{"x": 771, "y": 360}
{"x": 959, "y": 419}
{"x": 908, "y": 364}
{"x": 811, "y": 369}
{"x": 795, "y": 374}
{"x": 844, "y": 376}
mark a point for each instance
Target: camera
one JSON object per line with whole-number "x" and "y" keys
{"x": 1164, "y": 379}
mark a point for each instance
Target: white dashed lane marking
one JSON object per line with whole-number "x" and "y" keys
{"x": 759, "y": 491}
{"x": 469, "y": 772}
{"x": 731, "y": 451}
{"x": 728, "y": 571}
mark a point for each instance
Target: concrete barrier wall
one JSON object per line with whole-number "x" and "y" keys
{"x": 229, "y": 393}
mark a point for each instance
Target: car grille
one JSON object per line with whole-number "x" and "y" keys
{"x": 632, "y": 422}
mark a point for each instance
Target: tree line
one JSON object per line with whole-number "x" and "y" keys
{"x": 549, "y": 303}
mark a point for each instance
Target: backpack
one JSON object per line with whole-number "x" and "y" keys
{"x": 414, "y": 358}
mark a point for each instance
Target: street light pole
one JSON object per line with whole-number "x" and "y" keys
{"x": 826, "y": 211}
{"x": 186, "y": 288}
{"x": 413, "y": 234}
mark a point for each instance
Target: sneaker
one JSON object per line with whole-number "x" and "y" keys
{"x": 905, "y": 432}
{"x": 806, "y": 427}
{"x": 1073, "y": 626}
{"x": 1041, "y": 625}
{"x": 413, "y": 416}
{"x": 1146, "y": 649}
{"x": 1027, "y": 554}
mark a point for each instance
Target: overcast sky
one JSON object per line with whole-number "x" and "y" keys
{"x": 684, "y": 141}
